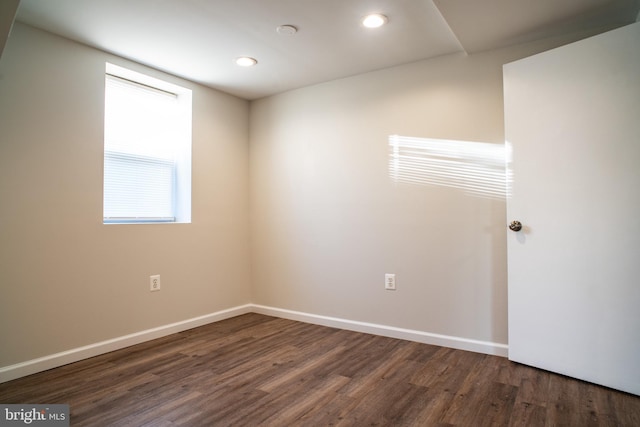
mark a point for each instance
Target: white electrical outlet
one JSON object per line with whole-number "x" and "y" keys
{"x": 154, "y": 283}
{"x": 390, "y": 282}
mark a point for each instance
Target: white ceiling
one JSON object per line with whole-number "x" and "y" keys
{"x": 199, "y": 39}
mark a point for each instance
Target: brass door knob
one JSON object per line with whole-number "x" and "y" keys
{"x": 515, "y": 226}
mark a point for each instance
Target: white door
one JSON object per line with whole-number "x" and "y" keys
{"x": 572, "y": 119}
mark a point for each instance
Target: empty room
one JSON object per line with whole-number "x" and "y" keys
{"x": 319, "y": 212}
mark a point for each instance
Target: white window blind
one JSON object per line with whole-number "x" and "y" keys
{"x": 138, "y": 188}
{"x": 144, "y": 150}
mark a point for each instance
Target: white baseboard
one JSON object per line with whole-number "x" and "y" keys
{"x": 459, "y": 343}
{"x": 29, "y": 367}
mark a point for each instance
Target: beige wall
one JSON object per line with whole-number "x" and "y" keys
{"x": 292, "y": 205}
{"x": 327, "y": 222}
{"x": 67, "y": 280}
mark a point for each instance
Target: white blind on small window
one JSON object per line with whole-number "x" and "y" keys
{"x": 140, "y": 153}
{"x": 138, "y": 188}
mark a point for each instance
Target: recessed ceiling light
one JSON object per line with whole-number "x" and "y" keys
{"x": 246, "y": 61}
{"x": 374, "y": 20}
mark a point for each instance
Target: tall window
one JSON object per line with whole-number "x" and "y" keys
{"x": 147, "y": 149}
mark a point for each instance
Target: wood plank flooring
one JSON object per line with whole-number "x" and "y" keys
{"x": 255, "y": 370}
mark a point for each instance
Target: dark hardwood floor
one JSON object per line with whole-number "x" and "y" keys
{"x": 258, "y": 370}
